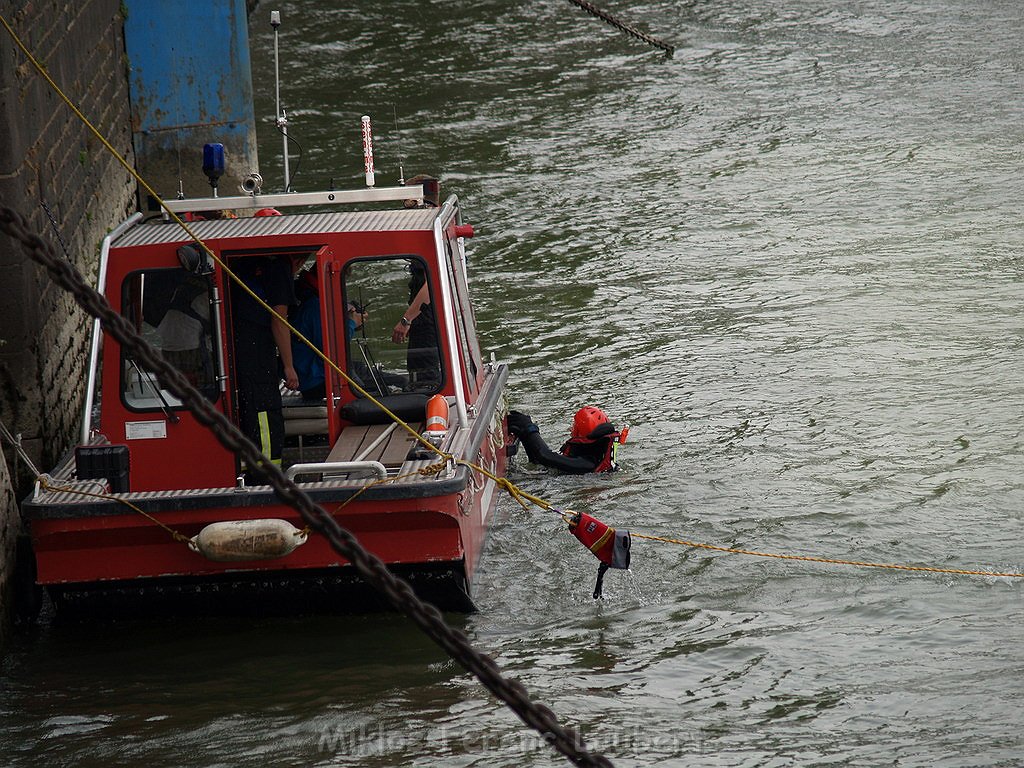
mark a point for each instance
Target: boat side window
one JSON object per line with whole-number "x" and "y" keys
{"x": 170, "y": 308}
{"x": 385, "y": 289}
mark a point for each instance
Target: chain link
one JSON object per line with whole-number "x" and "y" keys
{"x": 629, "y": 29}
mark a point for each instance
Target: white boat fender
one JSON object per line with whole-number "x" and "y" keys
{"x": 235, "y": 540}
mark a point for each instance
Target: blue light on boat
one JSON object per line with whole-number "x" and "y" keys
{"x": 213, "y": 162}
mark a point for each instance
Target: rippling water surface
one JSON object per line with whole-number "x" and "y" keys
{"x": 790, "y": 258}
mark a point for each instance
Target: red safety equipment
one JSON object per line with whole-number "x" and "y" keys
{"x": 586, "y": 420}
{"x": 268, "y": 212}
{"x": 609, "y": 546}
{"x": 590, "y": 430}
{"x": 437, "y": 416}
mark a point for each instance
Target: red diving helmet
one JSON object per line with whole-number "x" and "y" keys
{"x": 586, "y": 420}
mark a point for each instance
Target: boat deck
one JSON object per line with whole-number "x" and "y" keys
{"x": 389, "y": 444}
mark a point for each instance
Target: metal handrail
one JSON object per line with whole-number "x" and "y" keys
{"x": 97, "y": 336}
{"x": 291, "y": 199}
{"x": 338, "y": 466}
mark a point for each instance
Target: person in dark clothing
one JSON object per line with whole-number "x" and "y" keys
{"x": 419, "y": 327}
{"x": 590, "y": 448}
{"x": 259, "y": 339}
{"x": 306, "y": 320}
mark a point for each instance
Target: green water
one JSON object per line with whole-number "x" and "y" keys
{"x": 790, "y": 258}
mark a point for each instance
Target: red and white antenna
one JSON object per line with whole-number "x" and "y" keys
{"x": 368, "y": 150}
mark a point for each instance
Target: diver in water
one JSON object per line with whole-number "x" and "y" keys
{"x": 591, "y": 446}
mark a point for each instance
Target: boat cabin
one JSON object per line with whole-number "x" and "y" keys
{"x": 358, "y": 272}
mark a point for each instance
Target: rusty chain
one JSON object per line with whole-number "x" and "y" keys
{"x": 629, "y": 29}
{"x": 398, "y": 593}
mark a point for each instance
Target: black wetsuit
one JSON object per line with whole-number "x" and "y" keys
{"x": 578, "y": 456}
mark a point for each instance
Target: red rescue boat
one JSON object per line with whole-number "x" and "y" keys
{"x": 141, "y": 448}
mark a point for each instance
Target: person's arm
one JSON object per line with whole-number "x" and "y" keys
{"x": 283, "y": 340}
{"x": 522, "y": 426}
{"x": 401, "y": 331}
{"x": 540, "y": 453}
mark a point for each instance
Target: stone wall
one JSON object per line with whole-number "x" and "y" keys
{"x": 9, "y": 529}
{"x": 48, "y": 156}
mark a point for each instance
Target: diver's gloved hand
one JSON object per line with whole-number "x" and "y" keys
{"x": 519, "y": 424}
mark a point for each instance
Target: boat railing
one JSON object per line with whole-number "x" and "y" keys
{"x": 293, "y": 199}
{"x": 337, "y": 467}
{"x": 95, "y": 345}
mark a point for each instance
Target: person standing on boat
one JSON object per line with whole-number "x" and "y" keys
{"x": 306, "y": 320}
{"x": 260, "y": 339}
{"x": 419, "y": 327}
{"x": 591, "y": 446}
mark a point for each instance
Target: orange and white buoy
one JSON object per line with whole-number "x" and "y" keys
{"x": 437, "y": 419}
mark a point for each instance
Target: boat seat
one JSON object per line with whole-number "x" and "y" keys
{"x": 409, "y": 406}
{"x": 305, "y": 420}
{"x": 302, "y": 418}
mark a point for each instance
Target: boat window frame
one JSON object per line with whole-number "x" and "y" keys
{"x": 231, "y": 257}
{"x": 465, "y": 316}
{"x": 163, "y": 401}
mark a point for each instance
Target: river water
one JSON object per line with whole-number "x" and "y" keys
{"x": 790, "y": 259}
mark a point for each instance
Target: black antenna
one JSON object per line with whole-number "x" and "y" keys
{"x": 177, "y": 129}
{"x": 398, "y": 142}
{"x": 282, "y": 115}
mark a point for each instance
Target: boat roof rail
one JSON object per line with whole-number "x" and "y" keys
{"x": 294, "y": 199}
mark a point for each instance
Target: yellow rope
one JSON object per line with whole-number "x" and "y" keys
{"x": 45, "y": 483}
{"x": 830, "y": 560}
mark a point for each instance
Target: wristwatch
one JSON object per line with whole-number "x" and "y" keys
{"x": 405, "y": 321}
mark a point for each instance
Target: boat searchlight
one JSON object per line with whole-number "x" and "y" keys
{"x": 194, "y": 260}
